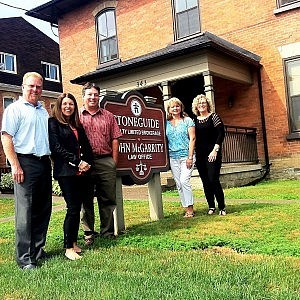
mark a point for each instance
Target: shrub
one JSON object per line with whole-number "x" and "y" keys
{"x": 7, "y": 182}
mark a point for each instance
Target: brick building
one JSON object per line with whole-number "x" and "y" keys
{"x": 24, "y": 48}
{"x": 243, "y": 55}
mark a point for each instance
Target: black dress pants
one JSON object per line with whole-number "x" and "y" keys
{"x": 74, "y": 188}
{"x": 210, "y": 175}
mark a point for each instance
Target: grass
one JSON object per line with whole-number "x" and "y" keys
{"x": 252, "y": 253}
{"x": 266, "y": 190}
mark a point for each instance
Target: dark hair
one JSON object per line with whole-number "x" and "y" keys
{"x": 57, "y": 111}
{"x": 88, "y": 86}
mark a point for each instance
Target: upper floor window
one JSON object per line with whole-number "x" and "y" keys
{"x": 50, "y": 71}
{"x": 107, "y": 36}
{"x": 281, "y": 3}
{"x": 187, "y": 18}
{"x": 7, "y": 62}
{"x": 7, "y": 101}
{"x": 292, "y": 77}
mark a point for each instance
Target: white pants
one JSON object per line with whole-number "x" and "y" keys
{"x": 182, "y": 176}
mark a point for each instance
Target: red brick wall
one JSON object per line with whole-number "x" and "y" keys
{"x": 146, "y": 25}
{"x": 77, "y": 35}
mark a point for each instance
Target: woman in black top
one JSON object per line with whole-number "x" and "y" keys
{"x": 72, "y": 157}
{"x": 209, "y": 138}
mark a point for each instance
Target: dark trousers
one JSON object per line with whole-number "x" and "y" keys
{"x": 73, "y": 188}
{"x": 210, "y": 175}
{"x": 104, "y": 180}
{"x": 33, "y": 203}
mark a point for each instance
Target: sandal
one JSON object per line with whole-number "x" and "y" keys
{"x": 211, "y": 211}
{"x": 189, "y": 214}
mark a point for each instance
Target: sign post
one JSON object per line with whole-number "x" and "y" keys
{"x": 142, "y": 148}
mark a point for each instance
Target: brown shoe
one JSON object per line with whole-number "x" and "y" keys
{"x": 89, "y": 239}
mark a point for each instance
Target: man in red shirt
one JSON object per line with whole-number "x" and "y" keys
{"x": 103, "y": 132}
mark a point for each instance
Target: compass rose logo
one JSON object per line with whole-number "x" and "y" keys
{"x": 136, "y": 108}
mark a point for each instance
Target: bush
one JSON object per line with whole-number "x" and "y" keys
{"x": 7, "y": 182}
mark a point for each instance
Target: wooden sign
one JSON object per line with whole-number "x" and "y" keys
{"x": 142, "y": 148}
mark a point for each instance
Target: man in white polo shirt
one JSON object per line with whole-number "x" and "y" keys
{"x": 24, "y": 137}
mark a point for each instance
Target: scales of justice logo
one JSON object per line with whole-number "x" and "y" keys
{"x": 136, "y": 109}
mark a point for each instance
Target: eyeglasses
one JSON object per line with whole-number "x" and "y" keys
{"x": 31, "y": 86}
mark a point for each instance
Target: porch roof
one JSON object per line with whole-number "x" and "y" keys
{"x": 205, "y": 40}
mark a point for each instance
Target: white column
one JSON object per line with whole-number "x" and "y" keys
{"x": 166, "y": 92}
{"x": 155, "y": 197}
{"x": 119, "y": 211}
{"x": 209, "y": 86}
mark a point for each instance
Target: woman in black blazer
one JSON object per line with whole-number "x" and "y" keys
{"x": 72, "y": 158}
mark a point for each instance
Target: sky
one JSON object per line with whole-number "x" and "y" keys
{"x": 6, "y": 12}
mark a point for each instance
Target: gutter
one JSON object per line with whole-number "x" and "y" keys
{"x": 263, "y": 121}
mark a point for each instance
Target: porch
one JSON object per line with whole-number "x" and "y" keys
{"x": 240, "y": 160}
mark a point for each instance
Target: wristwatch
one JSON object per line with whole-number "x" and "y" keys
{"x": 190, "y": 157}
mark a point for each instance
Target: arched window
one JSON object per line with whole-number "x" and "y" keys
{"x": 107, "y": 36}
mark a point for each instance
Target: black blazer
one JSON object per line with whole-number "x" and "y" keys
{"x": 66, "y": 150}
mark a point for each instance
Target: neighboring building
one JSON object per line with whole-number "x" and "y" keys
{"x": 243, "y": 55}
{"x": 24, "y": 48}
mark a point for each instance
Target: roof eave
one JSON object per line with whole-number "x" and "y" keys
{"x": 207, "y": 41}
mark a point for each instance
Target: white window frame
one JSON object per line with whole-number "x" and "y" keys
{"x": 3, "y": 65}
{"x": 283, "y": 3}
{"x": 7, "y": 98}
{"x": 179, "y": 14}
{"x": 49, "y": 66}
{"x": 109, "y": 40}
{"x": 292, "y": 95}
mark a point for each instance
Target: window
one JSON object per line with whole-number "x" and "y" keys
{"x": 50, "y": 71}
{"x": 7, "y": 101}
{"x": 282, "y": 3}
{"x": 292, "y": 77}
{"x": 187, "y": 19}
{"x": 7, "y": 62}
{"x": 107, "y": 36}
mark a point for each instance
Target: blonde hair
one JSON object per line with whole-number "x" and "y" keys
{"x": 32, "y": 74}
{"x": 171, "y": 102}
{"x": 196, "y": 101}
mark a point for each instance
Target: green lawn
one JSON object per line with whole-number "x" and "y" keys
{"x": 252, "y": 253}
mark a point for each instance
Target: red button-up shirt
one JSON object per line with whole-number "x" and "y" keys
{"x": 101, "y": 128}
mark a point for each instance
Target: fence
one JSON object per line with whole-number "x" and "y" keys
{"x": 239, "y": 145}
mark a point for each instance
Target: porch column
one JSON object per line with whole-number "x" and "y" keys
{"x": 209, "y": 86}
{"x": 119, "y": 222}
{"x": 155, "y": 197}
{"x": 166, "y": 92}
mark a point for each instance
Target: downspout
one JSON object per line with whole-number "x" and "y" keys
{"x": 266, "y": 167}
{"x": 263, "y": 124}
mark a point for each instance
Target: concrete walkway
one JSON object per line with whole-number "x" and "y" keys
{"x": 140, "y": 192}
